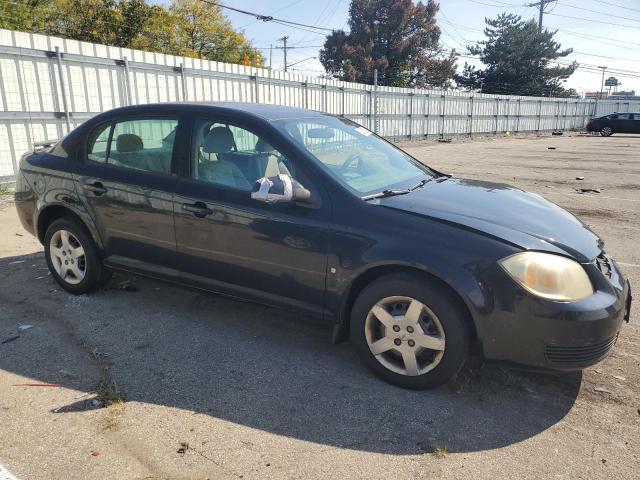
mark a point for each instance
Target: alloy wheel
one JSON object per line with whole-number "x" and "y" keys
{"x": 68, "y": 257}
{"x": 606, "y": 131}
{"x": 405, "y": 336}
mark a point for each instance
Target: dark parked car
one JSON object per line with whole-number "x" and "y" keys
{"x": 615, "y": 123}
{"x": 294, "y": 208}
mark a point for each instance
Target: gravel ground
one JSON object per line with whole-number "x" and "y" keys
{"x": 213, "y": 388}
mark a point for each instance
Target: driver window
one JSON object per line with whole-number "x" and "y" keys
{"x": 224, "y": 154}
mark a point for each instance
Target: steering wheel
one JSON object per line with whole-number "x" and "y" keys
{"x": 351, "y": 159}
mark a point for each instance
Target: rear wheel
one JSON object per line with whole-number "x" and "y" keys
{"x": 73, "y": 258}
{"x": 606, "y": 131}
{"x": 410, "y": 331}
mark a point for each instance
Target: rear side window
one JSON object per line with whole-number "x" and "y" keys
{"x": 145, "y": 144}
{"x": 98, "y": 140}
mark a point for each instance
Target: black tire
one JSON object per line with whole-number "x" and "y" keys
{"x": 606, "y": 131}
{"x": 95, "y": 275}
{"x": 451, "y": 315}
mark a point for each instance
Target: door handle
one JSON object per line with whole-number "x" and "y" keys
{"x": 94, "y": 187}
{"x": 199, "y": 209}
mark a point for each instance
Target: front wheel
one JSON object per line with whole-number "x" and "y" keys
{"x": 410, "y": 331}
{"x": 73, "y": 258}
{"x": 606, "y": 131}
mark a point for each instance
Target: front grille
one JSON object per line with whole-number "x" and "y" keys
{"x": 581, "y": 355}
{"x": 604, "y": 264}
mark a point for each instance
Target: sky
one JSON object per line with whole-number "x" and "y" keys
{"x": 601, "y": 32}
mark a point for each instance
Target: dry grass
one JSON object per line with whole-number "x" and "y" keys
{"x": 440, "y": 452}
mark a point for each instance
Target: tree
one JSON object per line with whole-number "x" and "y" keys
{"x": 204, "y": 32}
{"x": 399, "y": 38}
{"x": 22, "y": 14}
{"x": 187, "y": 27}
{"x": 517, "y": 57}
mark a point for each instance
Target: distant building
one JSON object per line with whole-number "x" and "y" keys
{"x": 623, "y": 95}
{"x": 604, "y": 94}
{"x": 628, "y": 95}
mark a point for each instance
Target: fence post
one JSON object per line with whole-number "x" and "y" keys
{"x": 444, "y": 101}
{"x": 411, "y": 94}
{"x": 539, "y": 115}
{"x": 185, "y": 94}
{"x": 324, "y": 97}
{"x": 256, "y": 94}
{"x": 427, "y": 114}
{"x": 507, "y": 106}
{"x": 342, "y": 100}
{"x": 305, "y": 86}
{"x": 375, "y": 101}
{"x": 471, "y": 116}
{"x": 518, "y": 115}
{"x": 63, "y": 90}
{"x": 127, "y": 80}
{"x": 495, "y": 116}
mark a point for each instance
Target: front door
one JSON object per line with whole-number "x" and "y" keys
{"x": 230, "y": 243}
{"x": 126, "y": 181}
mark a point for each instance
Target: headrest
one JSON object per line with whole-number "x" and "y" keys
{"x": 128, "y": 142}
{"x": 263, "y": 146}
{"x": 218, "y": 140}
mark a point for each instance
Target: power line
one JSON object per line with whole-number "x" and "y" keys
{"x": 617, "y": 5}
{"x": 265, "y": 18}
{"x": 598, "y": 39}
{"x": 277, "y": 11}
{"x": 600, "y": 12}
{"x": 594, "y": 21}
{"x": 635, "y": 60}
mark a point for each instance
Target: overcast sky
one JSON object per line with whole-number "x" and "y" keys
{"x": 462, "y": 21}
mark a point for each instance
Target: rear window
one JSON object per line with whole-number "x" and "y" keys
{"x": 97, "y": 146}
{"x": 145, "y": 144}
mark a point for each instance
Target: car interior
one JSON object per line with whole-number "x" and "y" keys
{"x": 228, "y": 155}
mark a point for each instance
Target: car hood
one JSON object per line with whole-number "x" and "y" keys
{"x": 499, "y": 210}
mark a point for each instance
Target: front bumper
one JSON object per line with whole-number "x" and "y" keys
{"x": 560, "y": 335}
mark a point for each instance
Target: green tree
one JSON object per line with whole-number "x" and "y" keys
{"x": 517, "y": 58}
{"x": 204, "y": 32}
{"x": 399, "y": 38}
{"x": 187, "y": 27}
{"x": 24, "y": 15}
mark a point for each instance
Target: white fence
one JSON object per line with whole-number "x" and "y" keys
{"x": 49, "y": 85}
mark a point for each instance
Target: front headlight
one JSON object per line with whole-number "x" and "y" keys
{"x": 549, "y": 276}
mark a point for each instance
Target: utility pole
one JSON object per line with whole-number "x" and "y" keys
{"x": 604, "y": 68}
{"x": 284, "y": 48}
{"x": 541, "y": 4}
{"x": 270, "y": 54}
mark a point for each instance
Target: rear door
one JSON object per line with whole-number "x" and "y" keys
{"x": 230, "y": 243}
{"x": 635, "y": 123}
{"x": 127, "y": 182}
{"x": 624, "y": 123}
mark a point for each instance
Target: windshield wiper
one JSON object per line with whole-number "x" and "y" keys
{"x": 391, "y": 193}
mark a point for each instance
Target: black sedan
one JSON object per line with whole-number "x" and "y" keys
{"x": 288, "y": 207}
{"x": 607, "y": 125}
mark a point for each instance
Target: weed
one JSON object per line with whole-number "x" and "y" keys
{"x": 440, "y": 452}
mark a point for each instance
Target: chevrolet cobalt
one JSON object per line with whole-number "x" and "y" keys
{"x": 312, "y": 212}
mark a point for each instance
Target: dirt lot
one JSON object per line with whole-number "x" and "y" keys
{"x": 213, "y": 388}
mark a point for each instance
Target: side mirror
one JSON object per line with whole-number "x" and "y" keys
{"x": 280, "y": 189}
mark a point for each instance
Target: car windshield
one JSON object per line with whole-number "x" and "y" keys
{"x": 356, "y": 157}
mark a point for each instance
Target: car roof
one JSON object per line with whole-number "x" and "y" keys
{"x": 262, "y": 111}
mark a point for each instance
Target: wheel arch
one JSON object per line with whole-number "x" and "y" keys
{"x": 51, "y": 213}
{"x": 376, "y": 272}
